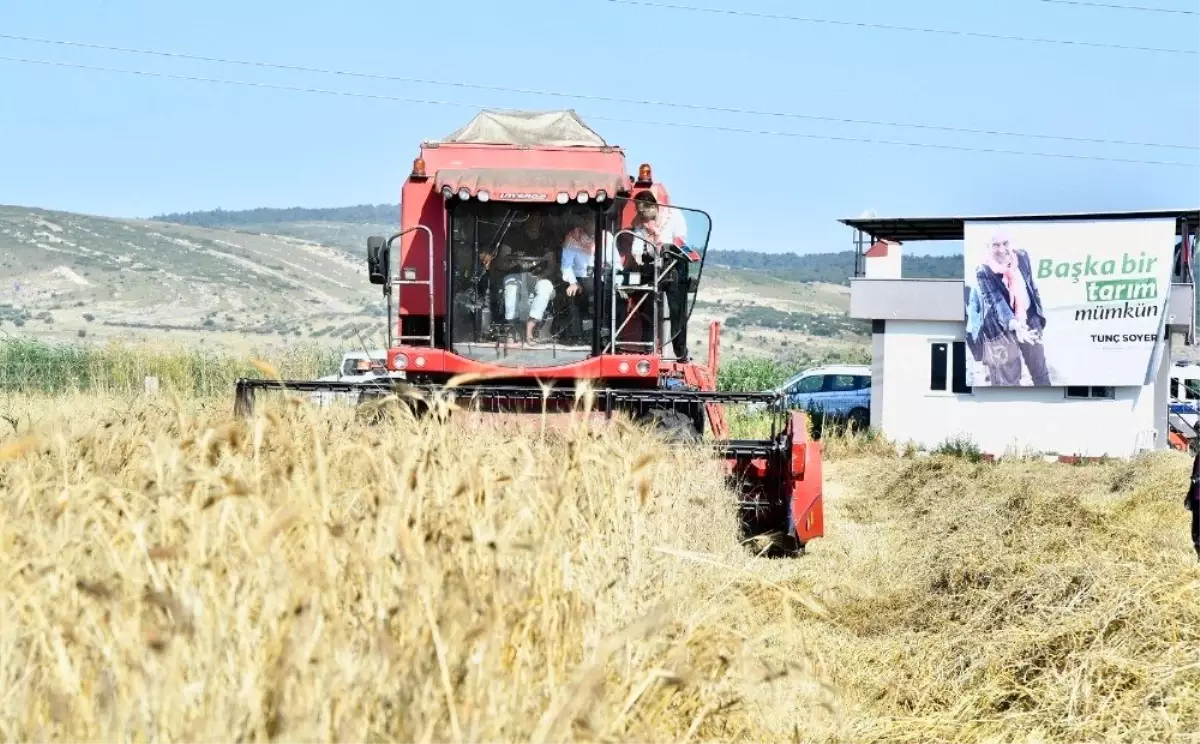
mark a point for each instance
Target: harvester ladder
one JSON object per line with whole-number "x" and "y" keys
{"x": 647, "y": 291}
{"x": 400, "y": 283}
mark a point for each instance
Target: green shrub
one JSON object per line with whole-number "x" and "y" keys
{"x": 37, "y": 366}
{"x": 960, "y": 446}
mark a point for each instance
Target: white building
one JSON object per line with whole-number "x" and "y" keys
{"x": 919, "y": 393}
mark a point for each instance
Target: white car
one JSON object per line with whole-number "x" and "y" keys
{"x": 356, "y": 366}
{"x": 842, "y": 390}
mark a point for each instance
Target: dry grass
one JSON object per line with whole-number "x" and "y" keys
{"x": 1009, "y": 602}
{"x": 173, "y": 574}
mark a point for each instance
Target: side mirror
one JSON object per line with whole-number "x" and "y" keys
{"x": 378, "y": 263}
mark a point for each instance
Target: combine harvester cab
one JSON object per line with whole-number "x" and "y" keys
{"x": 530, "y": 261}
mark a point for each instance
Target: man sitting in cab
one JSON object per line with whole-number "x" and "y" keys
{"x": 527, "y": 264}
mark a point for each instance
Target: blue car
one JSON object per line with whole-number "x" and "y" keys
{"x": 842, "y": 391}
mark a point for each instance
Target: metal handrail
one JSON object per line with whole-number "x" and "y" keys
{"x": 612, "y": 316}
{"x": 398, "y": 283}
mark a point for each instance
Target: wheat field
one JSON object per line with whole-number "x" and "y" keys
{"x": 172, "y": 573}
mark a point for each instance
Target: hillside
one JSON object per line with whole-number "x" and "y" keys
{"x": 828, "y": 268}
{"x": 80, "y": 275}
{"x": 831, "y": 268}
{"x": 268, "y": 277}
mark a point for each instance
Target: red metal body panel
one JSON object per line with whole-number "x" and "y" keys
{"x": 426, "y": 360}
{"x": 793, "y": 479}
{"x": 807, "y": 503}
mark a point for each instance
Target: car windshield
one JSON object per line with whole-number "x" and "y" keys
{"x": 530, "y": 287}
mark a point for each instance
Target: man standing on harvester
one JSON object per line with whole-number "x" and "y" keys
{"x": 665, "y": 227}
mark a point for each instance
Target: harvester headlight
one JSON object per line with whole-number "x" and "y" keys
{"x": 410, "y": 275}
{"x": 483, "y": 196}
{"x": 601, "y": 195}
{"x": 643, "y": 367}
{"x": 420, "y": 361}
{"x": 623, "y": 368}
{"x": 464, "y": 193}
{"x": 563, "y": 197}
{"x": 582, "y": 197}
{"x": 447, "y": 192}
{"x": 401, "y": 361}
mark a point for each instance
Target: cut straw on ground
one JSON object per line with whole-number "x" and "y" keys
{"x": 174, "y": 573}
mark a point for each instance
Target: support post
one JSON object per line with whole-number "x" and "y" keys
{"x": 714, "y": 348}
{"x": 243, "y": 398}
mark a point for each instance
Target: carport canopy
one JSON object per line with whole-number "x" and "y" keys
{"x": 913, "y": 229}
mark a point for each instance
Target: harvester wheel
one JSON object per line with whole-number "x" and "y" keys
{"x": 788, "y": 546}
{"x": 677, "y": 425}
{"x": 370, "y": 407}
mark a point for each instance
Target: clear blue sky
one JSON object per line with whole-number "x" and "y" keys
{"x": 123, "y": 145}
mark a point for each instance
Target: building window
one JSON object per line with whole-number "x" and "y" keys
{"x": 958, "y": 365}
{"x": 937, "y": 366}
{"x": 948, "y": 367}
{"x": 1095, "y": 391}
{"x": 1188, "y": 390}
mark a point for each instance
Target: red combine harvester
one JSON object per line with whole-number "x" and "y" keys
{"x": 529, "y": 257}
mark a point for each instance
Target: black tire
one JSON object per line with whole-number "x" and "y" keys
{"x": 789, "y": 547}
{"x": 370, "y": 409}
{"x": 859, "y": 420}
{"x": 376, "y": 406}
{"x": 676, "y": 425}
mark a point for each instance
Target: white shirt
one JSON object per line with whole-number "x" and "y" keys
{"x": 577, "y": 258}
{"x": 668, "y": 228}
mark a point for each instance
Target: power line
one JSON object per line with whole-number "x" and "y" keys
{"x": 621, "y": 120}
{"x": 587, "y": 97}
{"x": 892, "y": 27}
{"x": 1113, "y": 6}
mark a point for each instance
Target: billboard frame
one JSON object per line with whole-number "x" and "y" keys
{"x": 869, "y": 230}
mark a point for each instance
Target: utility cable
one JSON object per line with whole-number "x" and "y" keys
{"x": 1113, "y": 6}
{"x": 622, "y": 120}
{"x": 587, "y": 97}
{"x": 892, "y": 27}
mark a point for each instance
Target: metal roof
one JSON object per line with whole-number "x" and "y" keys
{"x": 907, "y": 229}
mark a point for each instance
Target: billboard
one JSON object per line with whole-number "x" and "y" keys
{"x": 1066, "y": 303}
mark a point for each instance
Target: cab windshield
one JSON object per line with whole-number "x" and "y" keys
{"x": 551, "y": 284}
{"x": 512, "y": 304}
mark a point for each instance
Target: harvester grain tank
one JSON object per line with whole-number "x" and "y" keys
{"x": 528, "y": 257}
